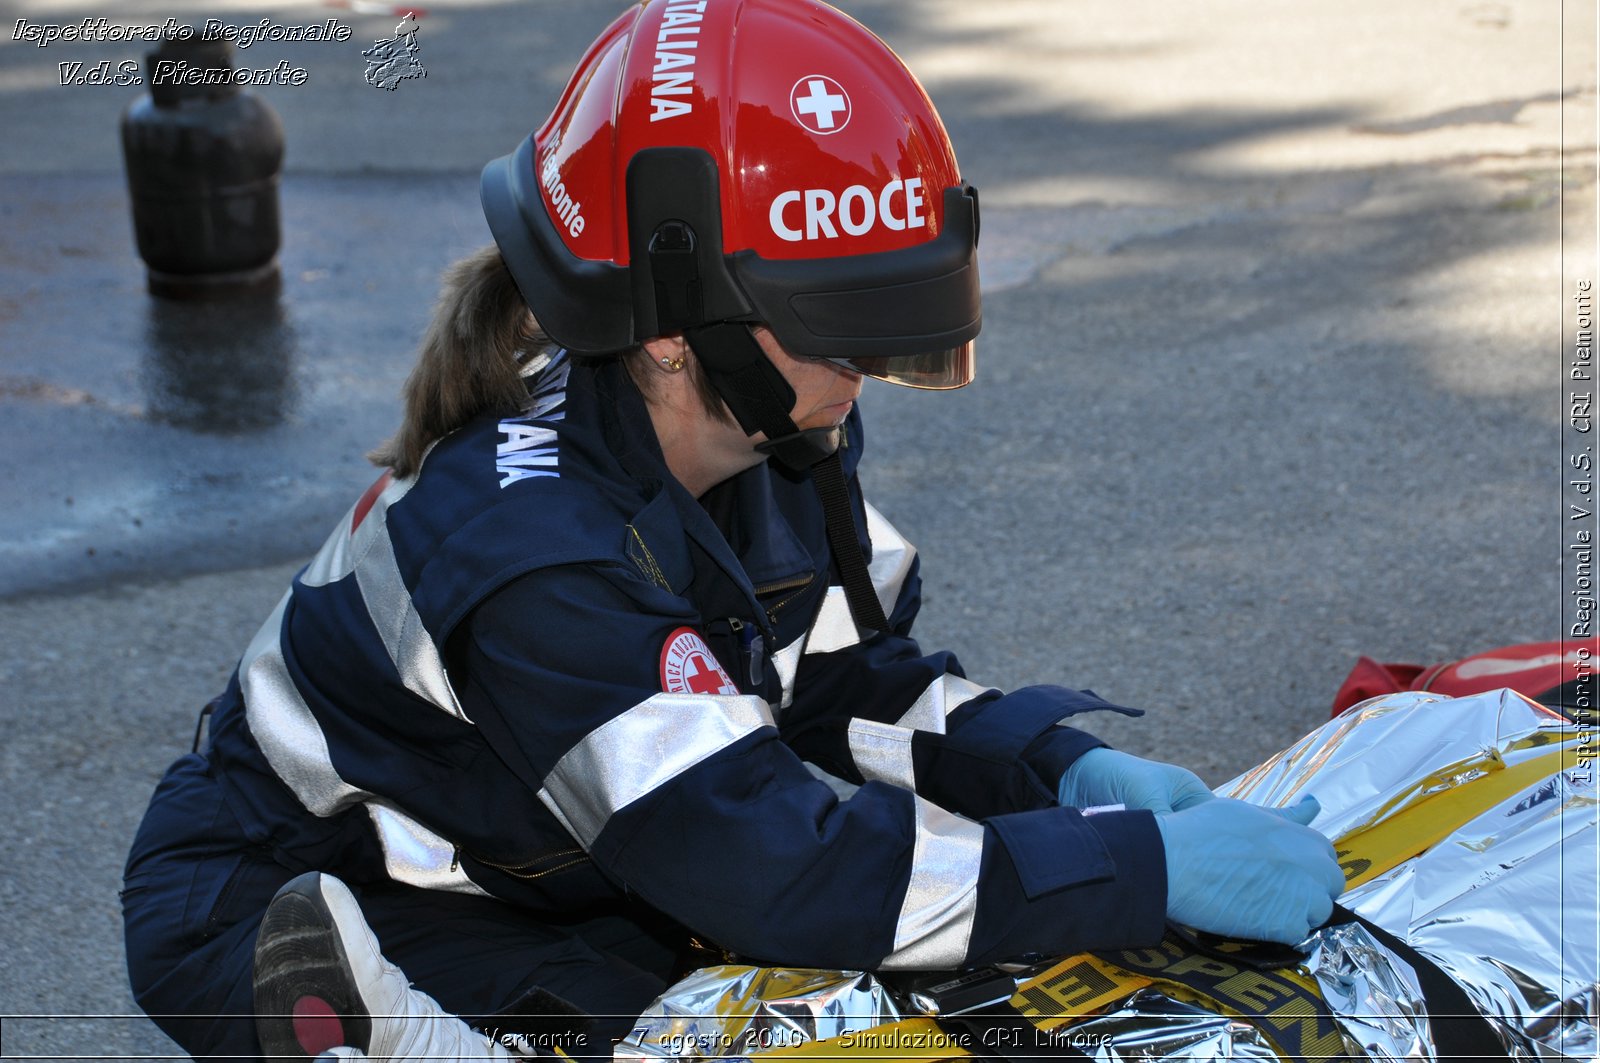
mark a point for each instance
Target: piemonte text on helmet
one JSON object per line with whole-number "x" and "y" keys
{"x": 562, "y": 205}
{"x": 673, "y": 74}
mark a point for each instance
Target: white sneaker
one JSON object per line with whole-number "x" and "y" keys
{"x": 322, "y": 988}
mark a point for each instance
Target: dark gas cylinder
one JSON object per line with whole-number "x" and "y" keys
{"x": 203, "y": 157}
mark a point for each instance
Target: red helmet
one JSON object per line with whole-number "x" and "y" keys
{"x": 767, "y": 161}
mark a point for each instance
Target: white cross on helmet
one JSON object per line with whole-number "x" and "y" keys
{"x": 815, "y": 106}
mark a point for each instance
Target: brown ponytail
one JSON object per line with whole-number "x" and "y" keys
{"x": 470, "y": 360}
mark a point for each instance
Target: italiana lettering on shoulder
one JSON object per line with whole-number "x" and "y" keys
{"x": 529, "y": 446}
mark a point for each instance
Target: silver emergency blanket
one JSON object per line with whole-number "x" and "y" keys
{"x": 1373, "y": 993}
{"x": 737, "y": 1011}
{"x": 1504, "y": 902}
{"x": 1152, "y": 1026}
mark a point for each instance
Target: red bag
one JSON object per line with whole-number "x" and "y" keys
{"x": 1558, "y": 674}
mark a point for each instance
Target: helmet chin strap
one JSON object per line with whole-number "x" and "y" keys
{"x": 802, "y": 449}
{"x": 760, "y": 399}
{"x": 757, "y": 394}
{"x": 740, "y": 371}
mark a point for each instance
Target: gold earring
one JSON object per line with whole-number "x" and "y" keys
{"x": 672, "y": 364}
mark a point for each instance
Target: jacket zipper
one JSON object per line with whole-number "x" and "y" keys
{"x": 798, "y": 584}
{"x": 788, "y": 583}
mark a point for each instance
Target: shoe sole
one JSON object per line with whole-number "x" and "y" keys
{"x": 305, "y": 995}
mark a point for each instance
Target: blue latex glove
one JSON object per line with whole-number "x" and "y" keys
{"x": 1107, "y": 777}
{"x": 1249, "y": 872}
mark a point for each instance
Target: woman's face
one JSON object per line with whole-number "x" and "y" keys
{"x": 703, "y": 449}
{"x": 824, "y": 391}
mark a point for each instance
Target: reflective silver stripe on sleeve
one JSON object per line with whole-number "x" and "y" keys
{"x": 833, "y": 628}
{"x": 335, "y": 560}
{"x": 630, "y": 755}
{"x": 368, "y": 553}
{"x": 882, "y": 752}
{"x": 943, "y": 696}
{"x": 285, "y": 729}
{"x": 941, "y": 902}
{"x": 343, "y": 549}
{"x": 415, "y": 855}
{"x": 549, "y": 802}
{"x": 787, "y": 662}
{"x": 891, "y": 560}
{"x": 394, "y": 614}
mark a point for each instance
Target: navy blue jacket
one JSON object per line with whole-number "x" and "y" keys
{"x": 539, "y": 669}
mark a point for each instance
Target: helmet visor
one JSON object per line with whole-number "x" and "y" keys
{"x": 943, "y": 370}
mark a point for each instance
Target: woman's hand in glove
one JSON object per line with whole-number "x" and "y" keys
{"x": 1244, "y": 871}
{"x": 1107, "y": 777}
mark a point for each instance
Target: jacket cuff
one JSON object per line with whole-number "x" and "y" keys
{"x": 1057, "y": 883}
{"x": 1134, "y": 842}
{"x": 1053, "y": 848}
{"x": 1053, "y": 752}
{"x": 1002, "y": 727}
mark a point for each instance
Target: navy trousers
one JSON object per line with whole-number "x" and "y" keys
{"x": 195, "y": 892}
